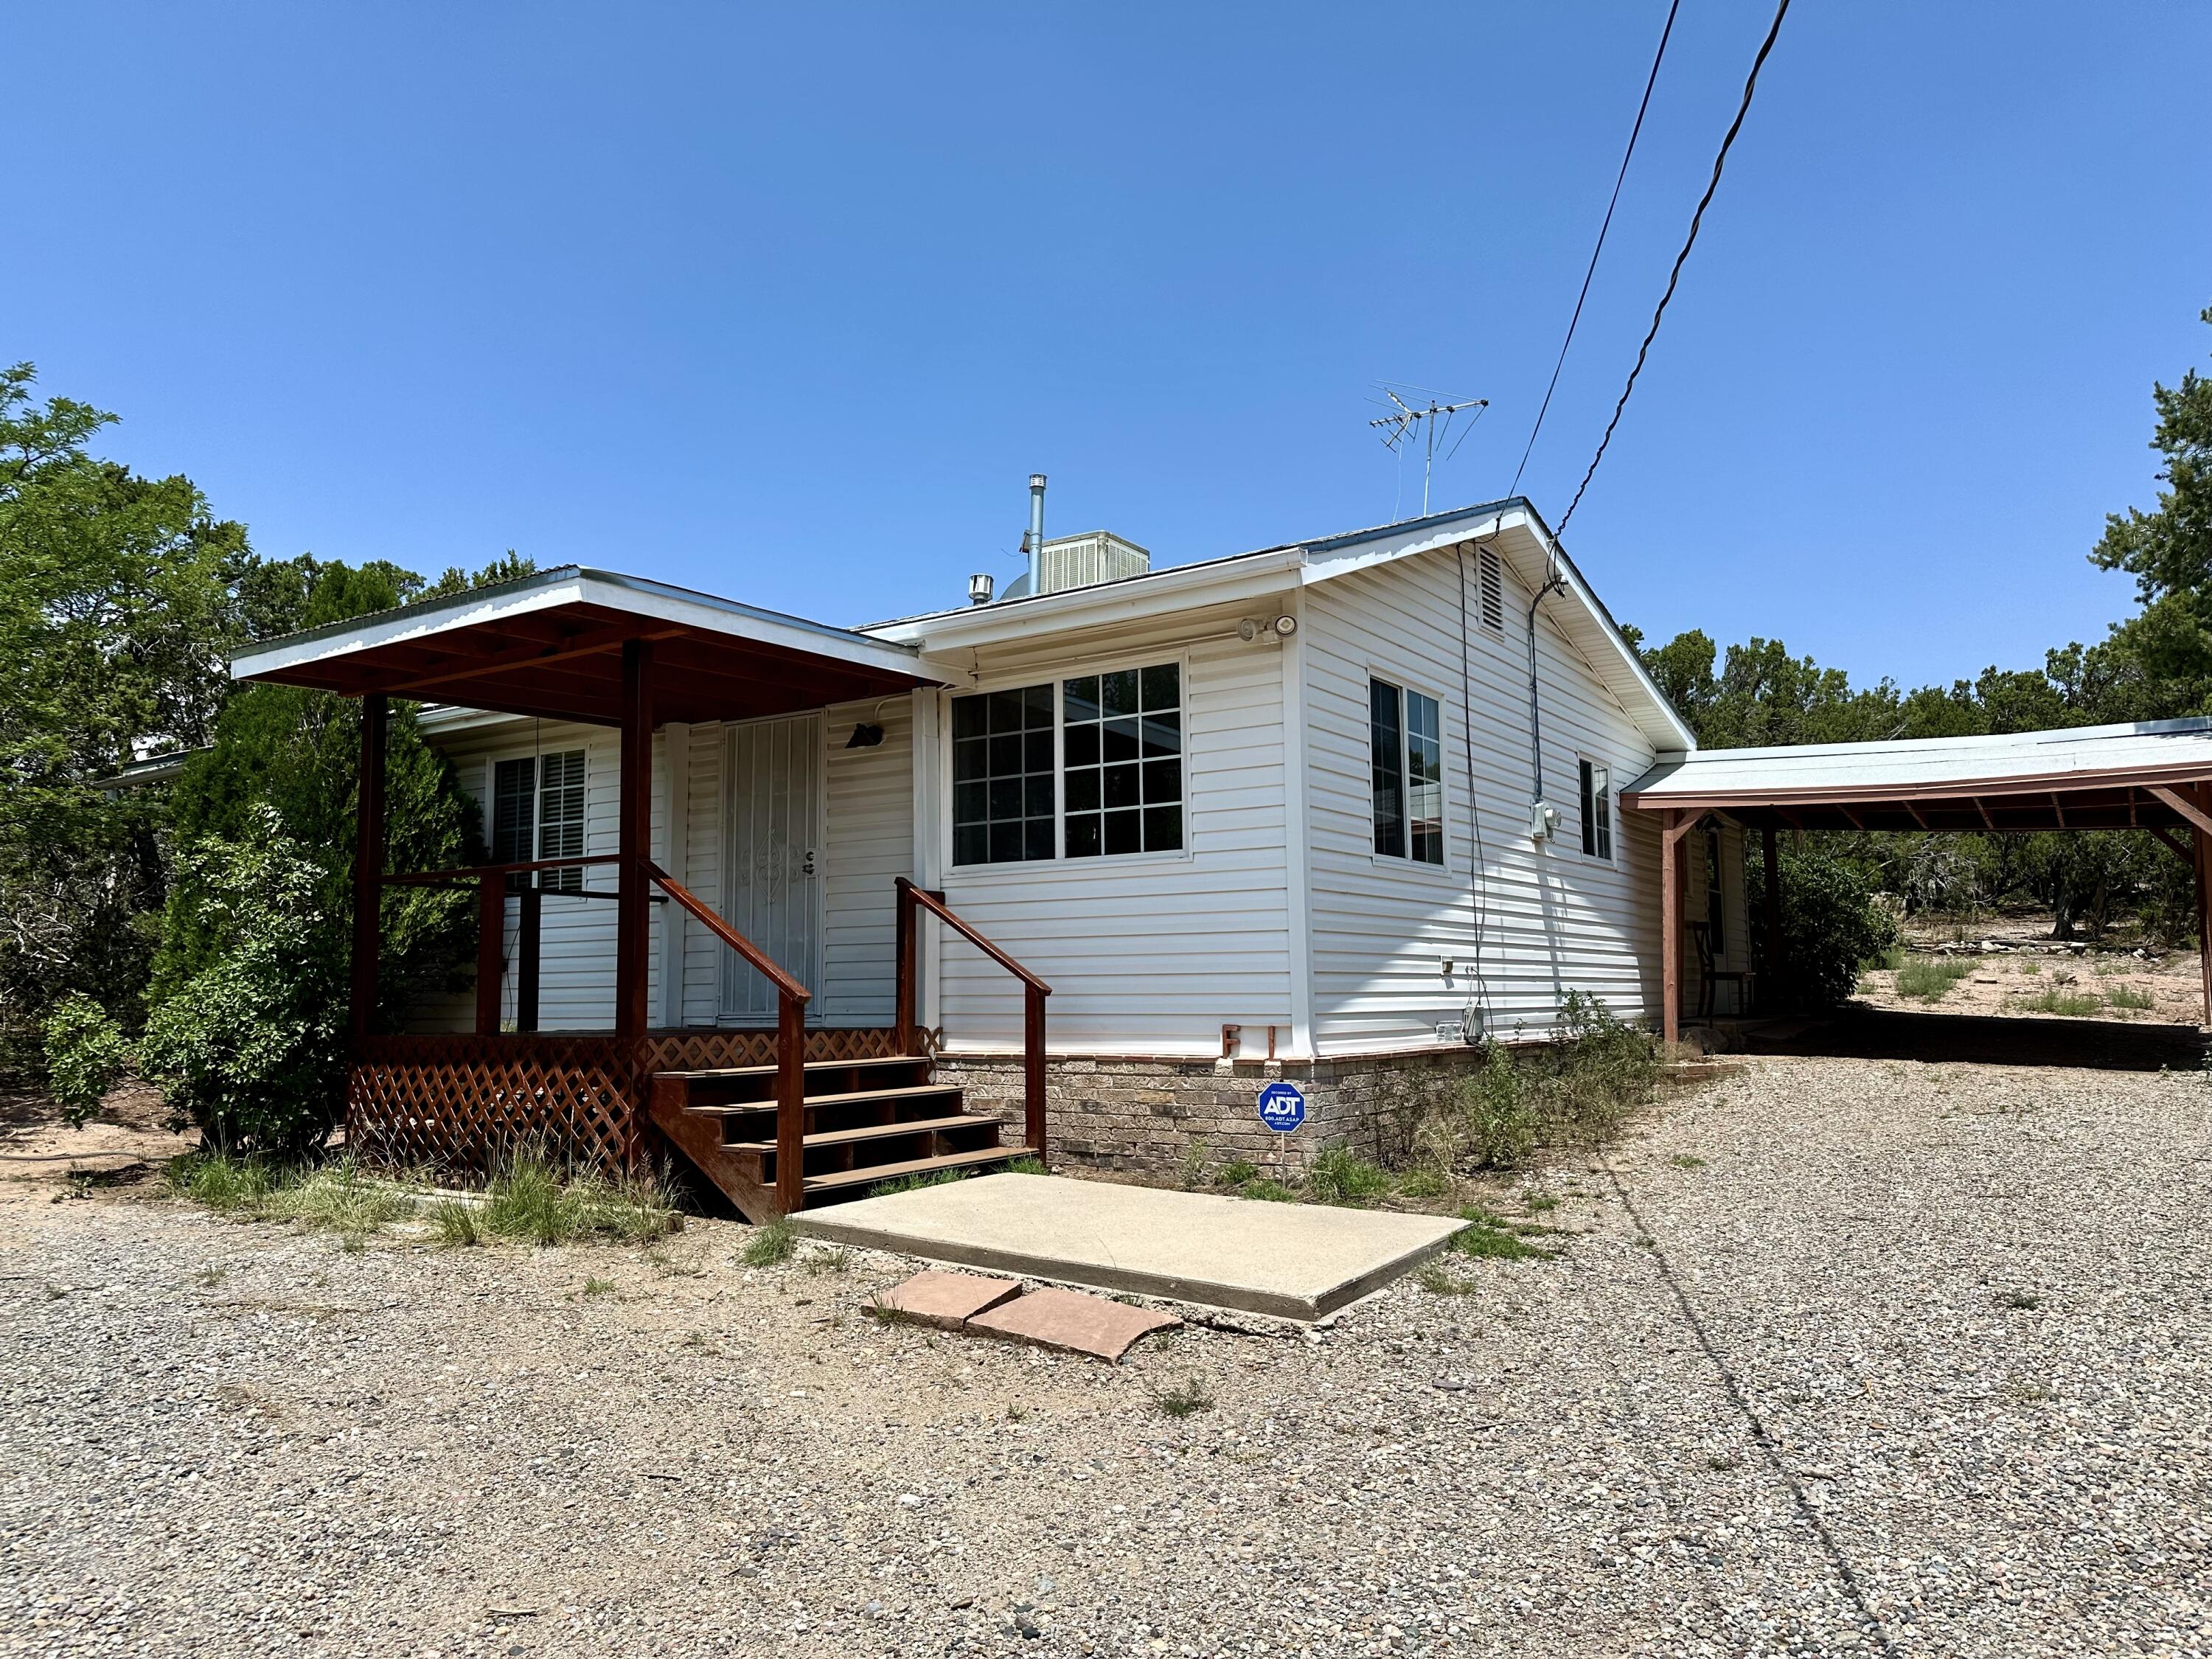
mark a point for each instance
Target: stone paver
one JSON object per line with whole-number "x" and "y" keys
{"x": 1068, "y": 1319}
{"x": 949, "y": 1300}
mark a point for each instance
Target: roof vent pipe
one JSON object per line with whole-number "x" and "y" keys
{"x": 1036, "y": 533}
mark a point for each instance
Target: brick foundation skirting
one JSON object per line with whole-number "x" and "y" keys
{"x": 1152, "y": 1116}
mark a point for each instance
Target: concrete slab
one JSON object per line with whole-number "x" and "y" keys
{"x": 1070, "y": 1319}
{"x": 949, "y": 1300}
{"x": 1290, "y": 1260}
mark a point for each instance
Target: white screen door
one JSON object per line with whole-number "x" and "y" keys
{"x": 773, "y": 811}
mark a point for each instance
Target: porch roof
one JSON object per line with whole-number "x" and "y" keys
{"x": 2092, "y": 777}
{"x": 550, "y": 645}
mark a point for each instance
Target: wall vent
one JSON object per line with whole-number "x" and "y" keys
{"x": 1492, "y": 582}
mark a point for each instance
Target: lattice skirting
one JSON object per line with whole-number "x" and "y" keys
{"x": 458, "y": 1103}
{"x": 709, "y": 1050}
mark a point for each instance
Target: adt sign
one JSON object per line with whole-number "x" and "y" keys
{"x": 1282, "y": 1107}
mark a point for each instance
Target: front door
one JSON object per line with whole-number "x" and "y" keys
{"x": 772, "y": 854}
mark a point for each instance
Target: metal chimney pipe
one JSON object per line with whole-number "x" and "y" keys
{"x": 1036, "y": 533}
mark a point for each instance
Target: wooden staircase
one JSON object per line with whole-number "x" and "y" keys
{"x": 864, "y": 1121}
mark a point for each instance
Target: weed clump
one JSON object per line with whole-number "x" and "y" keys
{"x": 1184, "y": 1399}
{"x": 456, "y": 1223}
{"x": 1236, "y": 1172}
{"x": 1272, "y": 1192}
{"x": 771, "y": 1244}
{"x": 1489, "y": 1238}
{"x": 1930, "y": 981}
{"x": 2067, "y": 1005}
{"x": 1575, "y": 1092}
{"x": 1339, "y": 1175}
{"x": 529, "y": 1202}
{"x": 334, "y": 1197}
{"x": 2127, "y": 996}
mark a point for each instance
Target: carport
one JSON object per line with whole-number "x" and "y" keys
{"x": 2154, "y": 775}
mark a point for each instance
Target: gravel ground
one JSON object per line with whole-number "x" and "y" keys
{"x": 1841, "y": 1357}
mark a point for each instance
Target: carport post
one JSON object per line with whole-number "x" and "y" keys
{"x": 1670, "y": 927}
{"x": 2203, "y": 884}
{"x": 1774, "y": 955}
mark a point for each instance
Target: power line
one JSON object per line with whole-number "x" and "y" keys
{"x": 1650, "y": 81}
{"x": 1750, "y": 85}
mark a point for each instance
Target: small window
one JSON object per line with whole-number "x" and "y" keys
{"x": 1123, "y": 736}
{"x": 1597, "y": 811}
{"x": 537, "y": 813}
{"x": 1492, "y": 580}
{"x": 1002, "y": 777}
{"x": 1406, "y": 737}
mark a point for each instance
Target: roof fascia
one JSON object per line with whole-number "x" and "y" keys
{"x": 1138, "y": 598}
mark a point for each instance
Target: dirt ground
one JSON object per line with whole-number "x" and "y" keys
{"x": 1836, "y": 1357}
{"x": 2017, "y": 964}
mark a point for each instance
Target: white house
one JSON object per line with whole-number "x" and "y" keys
{"x": 1329, "y": 810}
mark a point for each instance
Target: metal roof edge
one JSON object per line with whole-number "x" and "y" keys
{"x": 427, "y": 614}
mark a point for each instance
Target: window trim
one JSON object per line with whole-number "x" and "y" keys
{"x": 1612, "y": 855}
{"x": 1057, "y": 676}
{"x": 1406, "y": 861}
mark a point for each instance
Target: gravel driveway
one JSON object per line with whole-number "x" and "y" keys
{"x": 1843, "y": 1357}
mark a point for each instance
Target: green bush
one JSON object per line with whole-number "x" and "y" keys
{"x": 250, "y": 1047}
{"x": 85, "y": 1053}
{"x": 1831, "y": 925}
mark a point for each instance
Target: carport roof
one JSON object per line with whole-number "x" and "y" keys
{"x": 2091, "y": 777}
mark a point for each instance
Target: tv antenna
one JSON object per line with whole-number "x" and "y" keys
{"x": 1434, "y": 420}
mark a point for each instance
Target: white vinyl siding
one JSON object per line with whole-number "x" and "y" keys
{"x": 1149, "y": 953}
{"x": 1550, "y": 920}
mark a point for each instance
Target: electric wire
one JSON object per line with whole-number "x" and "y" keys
{"x": 1650, "y": 81}
{"x": 1750, "y": 85}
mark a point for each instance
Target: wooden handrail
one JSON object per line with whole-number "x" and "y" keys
{"x": 791, "y": 998}
{"x": 1033, "y": 992}
{"x": 479, "y": 871}
{"x": 935, "y": 904}
{"x": 784, "y": 983}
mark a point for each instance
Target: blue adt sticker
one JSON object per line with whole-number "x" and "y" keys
{"x": 1282, "y": 1107}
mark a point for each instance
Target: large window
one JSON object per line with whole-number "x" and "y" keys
{"x": 1002, "y": 785}
{"x": 1124, "y": 760}
{"x": 537, "y": 813}
{"x": 1597, "y": 811}
{"x": 1118, "y": 768}
{"x": 1406, "y": 736}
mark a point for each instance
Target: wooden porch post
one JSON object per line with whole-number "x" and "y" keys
{"x": 1670, "y": 927}
{"x": 491, "y": 924}
{"x": 1775, "y": 954}
{"x": 634, "y": 850}
{"x": 368, "y": 869}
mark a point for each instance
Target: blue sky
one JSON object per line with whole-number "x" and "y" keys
{"x": 786, "y": 304}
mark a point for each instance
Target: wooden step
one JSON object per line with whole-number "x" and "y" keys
{"x": 873, "y": 1132}
{"x": 846, "y": 1180}
{"x": 856, "y": 1097}
{"x": 811, "y": 1065}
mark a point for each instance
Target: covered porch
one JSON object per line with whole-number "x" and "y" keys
{"x": 776, "y": 1105}
{"x": 2154, "y": 776}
